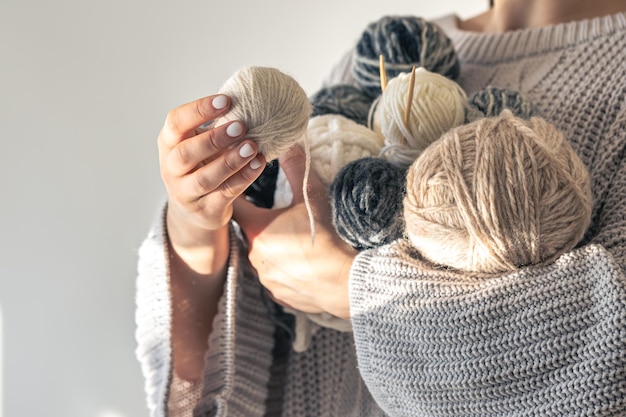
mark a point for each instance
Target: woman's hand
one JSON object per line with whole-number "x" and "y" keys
{"x": 204, "y": 170}
{"x": 305, "y": 274}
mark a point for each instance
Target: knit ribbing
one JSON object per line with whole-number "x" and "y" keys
{"x": 236, "y": 380}
{"x": 498, "y": 47}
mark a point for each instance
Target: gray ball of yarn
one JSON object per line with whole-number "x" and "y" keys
{"x": 491, "y": 101}
{"x": 342, "y": 99}
{"x": 366, "y": 202}
{"x": 404, "y": 42}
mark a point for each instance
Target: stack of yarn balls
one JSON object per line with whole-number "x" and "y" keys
{"x": 366, "y": 195}
{"x": 434, "y": 178}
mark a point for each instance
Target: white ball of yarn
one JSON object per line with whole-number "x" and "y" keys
{"x": 272, "y": 104}
{"x": 335, "y": 140}
{"x": 438, "y": 105}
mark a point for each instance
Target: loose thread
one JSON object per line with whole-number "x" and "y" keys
{"x": 305, "y": 187}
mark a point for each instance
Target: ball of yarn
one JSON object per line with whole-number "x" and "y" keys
{"x": 335, "y": 140}
{"x": 497, "y": 194}
{"x": 366, "y": 202}
{"x": 491, "y": 101}
{"x": 438, "y": 105}
{"x": 272, "y": 104}
{"x": 404, "y": 42}
{"x": 343, "y": 99}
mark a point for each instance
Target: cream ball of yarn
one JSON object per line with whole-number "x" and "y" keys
{"x": 272, "y": 104}
{"x": 438, "y": 105}
{"x": 497, "y": 194}
{"x": 335, "y": 140}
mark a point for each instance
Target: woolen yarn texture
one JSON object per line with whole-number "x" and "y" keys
{"x": 496, "y": 195}
{"x": 272, "y": 104}
{"x": 404, "y": 42}
{"x": 342, "y": 99}
{"x": 491, "y": 101}
{"x": 366, "y": 202}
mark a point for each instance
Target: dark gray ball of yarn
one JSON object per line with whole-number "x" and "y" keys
{"x": 343, "y": 99}
{"x": 491, "y": 101}
{"x": 404, "y": 42}
{"x": 366, "y": 201}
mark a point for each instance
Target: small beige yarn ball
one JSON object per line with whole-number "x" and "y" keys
{"x": 272, "y": 104}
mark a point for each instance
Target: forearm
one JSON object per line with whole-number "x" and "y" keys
{"x": 197, "y": 275}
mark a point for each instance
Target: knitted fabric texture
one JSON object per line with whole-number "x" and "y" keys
{"x": 366, "y": 202}
{"x": 404, "y": 42}
{"x": 273, "y": 105}
{"x": 491, "y": 101}
{"x": 497, "y": 194}
{"x": 342, "y": 99}
{"x": 542, "y": 341}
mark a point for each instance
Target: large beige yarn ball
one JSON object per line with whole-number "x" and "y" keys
{"x": 497, "y": 194}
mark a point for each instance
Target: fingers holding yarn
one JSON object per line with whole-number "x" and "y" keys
{"x": 273, "y": 105}
{"x": 182, "y": 121}
{"x": 230, "y": 174}
{"x": 202, "y": 148}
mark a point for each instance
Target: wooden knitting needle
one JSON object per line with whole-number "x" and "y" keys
{"x": 409, "y": 97}
{"x": 383, "y": 73}
{"x": 409, "y": 101}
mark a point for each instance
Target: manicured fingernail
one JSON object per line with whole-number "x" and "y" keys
{"x": 234, "y": 129}
{"x": 255, "y": 164}
{"x": 246, "y": 150}
{"x": 219, "y": 102}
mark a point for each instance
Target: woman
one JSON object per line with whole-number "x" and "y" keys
{"x": 220, "y": 351}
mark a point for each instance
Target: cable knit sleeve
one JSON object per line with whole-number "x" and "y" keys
{"x": 547, "y": 340}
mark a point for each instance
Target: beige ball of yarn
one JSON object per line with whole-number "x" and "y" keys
{"x": 438, "y": 105}
{"x": 496, "y": 195}
{"x": 273, "y": 105}
{"x": 335, "y": 140}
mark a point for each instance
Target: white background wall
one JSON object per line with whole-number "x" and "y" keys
{"x": 84, "y": 88}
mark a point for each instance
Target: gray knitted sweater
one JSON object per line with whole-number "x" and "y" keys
{"x": 543, "y": 341}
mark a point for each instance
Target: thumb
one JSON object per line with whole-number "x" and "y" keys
{"x": 251, "y": 218}
{"x": 294, "y": 163}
